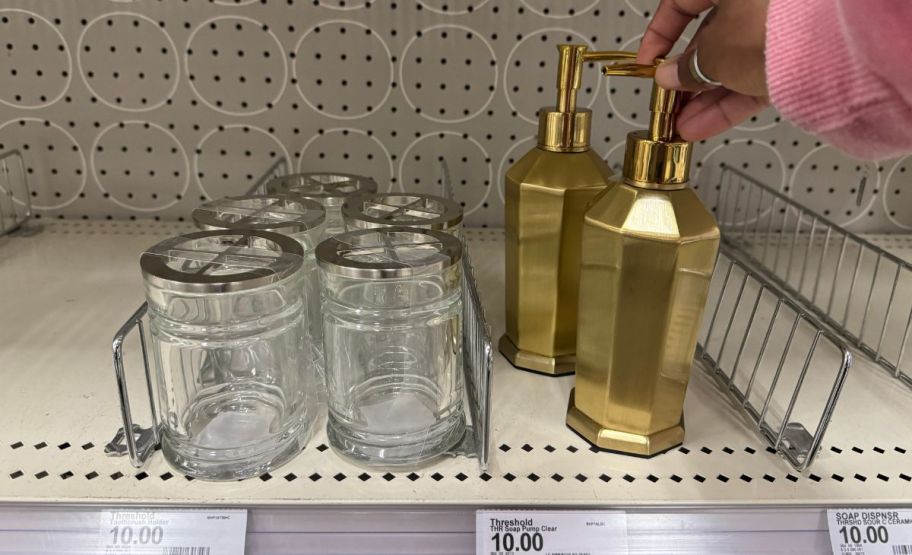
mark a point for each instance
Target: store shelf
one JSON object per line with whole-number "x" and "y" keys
{"x": 65, "y": 289}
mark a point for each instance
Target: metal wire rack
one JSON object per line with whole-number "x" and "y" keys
{"x": 763, "y": 339}
{"x": 477, "y": 350}
{"x": 15, "y": 195}
{"x": 477, "y": 345}
{"x": 764, "y": 349}
{"x": 278, "y": 168}
{"x": 862, "y": 291}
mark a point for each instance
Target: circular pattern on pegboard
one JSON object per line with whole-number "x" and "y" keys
{"x": 140, "y": 165}
{"x": 128, "y": 62}
{"x": 353, "y": 150}
{"x": 829, "y": 182}
{"x": 531, "y": 67}
{"x": 337, "y": 80}
{"x": 469, "y": 163}
{"x": 236, "y": 65}
{"x": 448, "y": 73}
{"x": 229, "y": 159}
{"x": 343, "y": 5}
{"x": 514, "y": 153}
{"x": 55, "y": 165}
{"x": 452, "y": 7}
{"x": 35, "y": 63}
{"x": 629, "y": 97}
{"x": 897, "y": 195}
{"x": 560, "y": 9}
{"x": 234, "y": 2}
{"x": 765, "y": 120}
{"x": 756, "y": 158}
{"x": 644, "y": 8}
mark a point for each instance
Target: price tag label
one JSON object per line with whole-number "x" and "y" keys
{"x": 550, "y": 532}
{"x": 870, "y": 531}
{"x": 164, "y": 532}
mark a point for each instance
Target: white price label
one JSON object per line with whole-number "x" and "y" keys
{"x": 870, "y": 531}
{"x": 550, "y": 532}
{"x": 163, "y": 532}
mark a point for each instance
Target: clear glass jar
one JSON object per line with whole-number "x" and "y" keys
{"x": 392, "y": 314}
{"x": 329, "y": 189}
{"x": 233, "y": 367}
{"x": 302, "y": 219}
{"x": 371, "y": 211}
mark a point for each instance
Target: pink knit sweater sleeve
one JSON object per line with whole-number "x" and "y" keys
{"x": 841, "y": 69}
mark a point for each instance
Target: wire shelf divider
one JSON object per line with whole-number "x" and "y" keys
{"x": 765, "y": 333}
{"x": 15, "y": 194}
{"x": 763, "y": 349}
{"x": 860, "y": 290}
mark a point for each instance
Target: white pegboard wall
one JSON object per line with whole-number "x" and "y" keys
{"x": 144, "y": 108}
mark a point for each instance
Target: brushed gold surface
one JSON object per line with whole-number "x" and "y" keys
{"x": 648, "y": 251}
{"x": 546, "y": 196}
{"x": 643, "y": 445}
{"x": 526, "y": 360}
{"x": 647, "y": 261}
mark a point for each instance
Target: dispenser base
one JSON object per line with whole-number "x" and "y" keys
{"x": 525, "y": 360}
{"x": 622, "y": 442}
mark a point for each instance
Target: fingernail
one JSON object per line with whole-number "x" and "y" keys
{"x": 666, "y": 75}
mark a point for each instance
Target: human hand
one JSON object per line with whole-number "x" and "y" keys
{"x": 731, "y": 44}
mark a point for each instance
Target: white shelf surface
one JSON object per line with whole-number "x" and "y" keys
{"x": 65, "y": 290}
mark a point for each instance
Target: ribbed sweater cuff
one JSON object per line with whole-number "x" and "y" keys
{"x": 812, "y": 75}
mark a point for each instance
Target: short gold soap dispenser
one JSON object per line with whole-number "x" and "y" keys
{"x": 547, "y": 192}
{"x": 648, "y": 251}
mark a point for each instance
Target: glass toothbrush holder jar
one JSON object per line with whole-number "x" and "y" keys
{"x": 302, "y": 219}
{"x": 377, "y": 210}
{"x": 232, "y": 363}
{"x": 329, "y": 189}
{"x": 392, "y": 317}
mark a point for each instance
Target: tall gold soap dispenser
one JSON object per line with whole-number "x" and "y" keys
{"x": 648, "y": 251}
{"x": 547, "y": 192}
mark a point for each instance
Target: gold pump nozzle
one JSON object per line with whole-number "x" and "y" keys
{"x": 565, "y": 127}
{"x": 655, "y": 158}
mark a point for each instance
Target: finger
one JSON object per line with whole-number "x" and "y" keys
{"x": 679, "y": 72}
{"x": 715, "y": 111}
{"x": 669, "y": 21}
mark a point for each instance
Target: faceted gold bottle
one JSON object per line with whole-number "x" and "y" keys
{"x": 648, "y": 251}
{"x": 547, "y": 192}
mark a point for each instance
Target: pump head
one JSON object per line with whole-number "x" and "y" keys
{"x": 565, "y": 127}
{"x": 655, "y": 158}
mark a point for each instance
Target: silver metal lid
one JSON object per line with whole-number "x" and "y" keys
{"x": 279, "y": 213}
{"x": 402, "y": 209}
{"x": 386, "y": 253}
{"x": 318, "y": 185}
{"x": 221, "y": 261}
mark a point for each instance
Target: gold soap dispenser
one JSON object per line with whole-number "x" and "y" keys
{"x": 546, "y": 194}
{"x": 648, "y": 251}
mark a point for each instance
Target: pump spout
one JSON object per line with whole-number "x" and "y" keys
{"x": 655, "y": 158}
{"x": 569, "y": 76}
{"x": 565, "y": 127}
